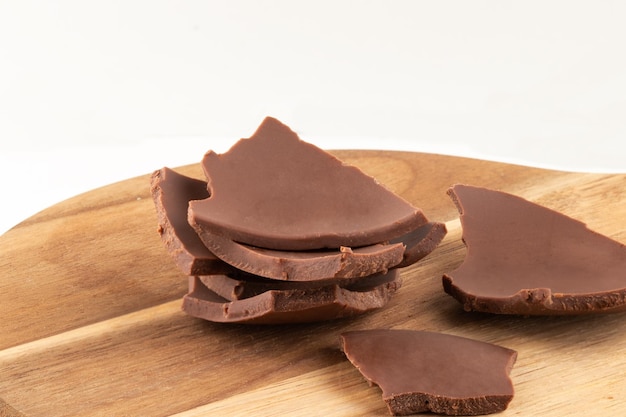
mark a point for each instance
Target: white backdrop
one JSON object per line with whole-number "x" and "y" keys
{"x": 96, "y": 92}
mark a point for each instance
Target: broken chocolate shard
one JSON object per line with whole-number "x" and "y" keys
{"x": 239, "y": 285}
{"x": 523, "y": 258}
{"x": 306, "y": 265}
{"x": 171, "y": 193}
{"x": 421, "y": 371}
{"x": 420, "y": 242}
{"x": 242, "y": 286}
{"x": 283, "y": 232}
{"x": 290, "y": 305}
{"x": 324, "y": 264}
{"x": 275, "y": 191}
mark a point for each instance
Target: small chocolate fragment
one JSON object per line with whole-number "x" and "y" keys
{"x": 422, "y": 371}
{"x": 276, "y": 191}
{"x": 290, "y": 305}
{"x": 171, "y": 193}
{"x": 523, "y": 258}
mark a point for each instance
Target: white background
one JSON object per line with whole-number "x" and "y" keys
{"x": 96, "y": 92}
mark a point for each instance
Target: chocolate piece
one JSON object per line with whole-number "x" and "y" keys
{"x": 175, "y": 191}
{"x": 277, "y": 192}
{"x": 240, "y": 285}
{"x": 526, "y": 259}
{"x": 420, "y": 242}
{"x": 423, "y": 371}
{"x": 306, "y": 265}
{"x": 323, "y": 264}
{"x": 171, "y": 193}
{"x": 291, "y": 305}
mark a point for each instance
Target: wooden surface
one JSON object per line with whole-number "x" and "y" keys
{"x": 90, "y": 320}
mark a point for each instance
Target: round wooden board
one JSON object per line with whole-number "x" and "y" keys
{"x": 91, "y": 321}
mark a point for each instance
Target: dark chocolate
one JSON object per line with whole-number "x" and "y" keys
{"x": 294, "y": 305}
{"x": 422, "y": 371}
{"x": 523, "y": 258}
{"x": 171, "y": 193}
{"x": 276, "y": 191}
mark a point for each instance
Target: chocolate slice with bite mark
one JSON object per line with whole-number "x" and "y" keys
{"x": 276, "y": 191}
{"x": 294, "y": 305}
{"x": 523, "y": 258}
{"x": 421, "y": 371}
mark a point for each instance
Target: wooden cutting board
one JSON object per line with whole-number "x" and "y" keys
{"x": 90, "y": 319}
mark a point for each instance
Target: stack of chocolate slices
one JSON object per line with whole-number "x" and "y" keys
{"x": 283, "y": 232}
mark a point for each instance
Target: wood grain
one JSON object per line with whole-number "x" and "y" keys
{"x": 91, "y": 322}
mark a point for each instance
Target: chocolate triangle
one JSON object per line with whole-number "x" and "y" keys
{"x": 422, "y": 371}
{"x": 526, "y": 259}
{"x": 276, "y": 191}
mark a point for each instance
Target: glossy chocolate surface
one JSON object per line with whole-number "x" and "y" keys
{"x": 523, "y": 258}
{"x": 276, "y": 191}
{"x": 422, "y": 371}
